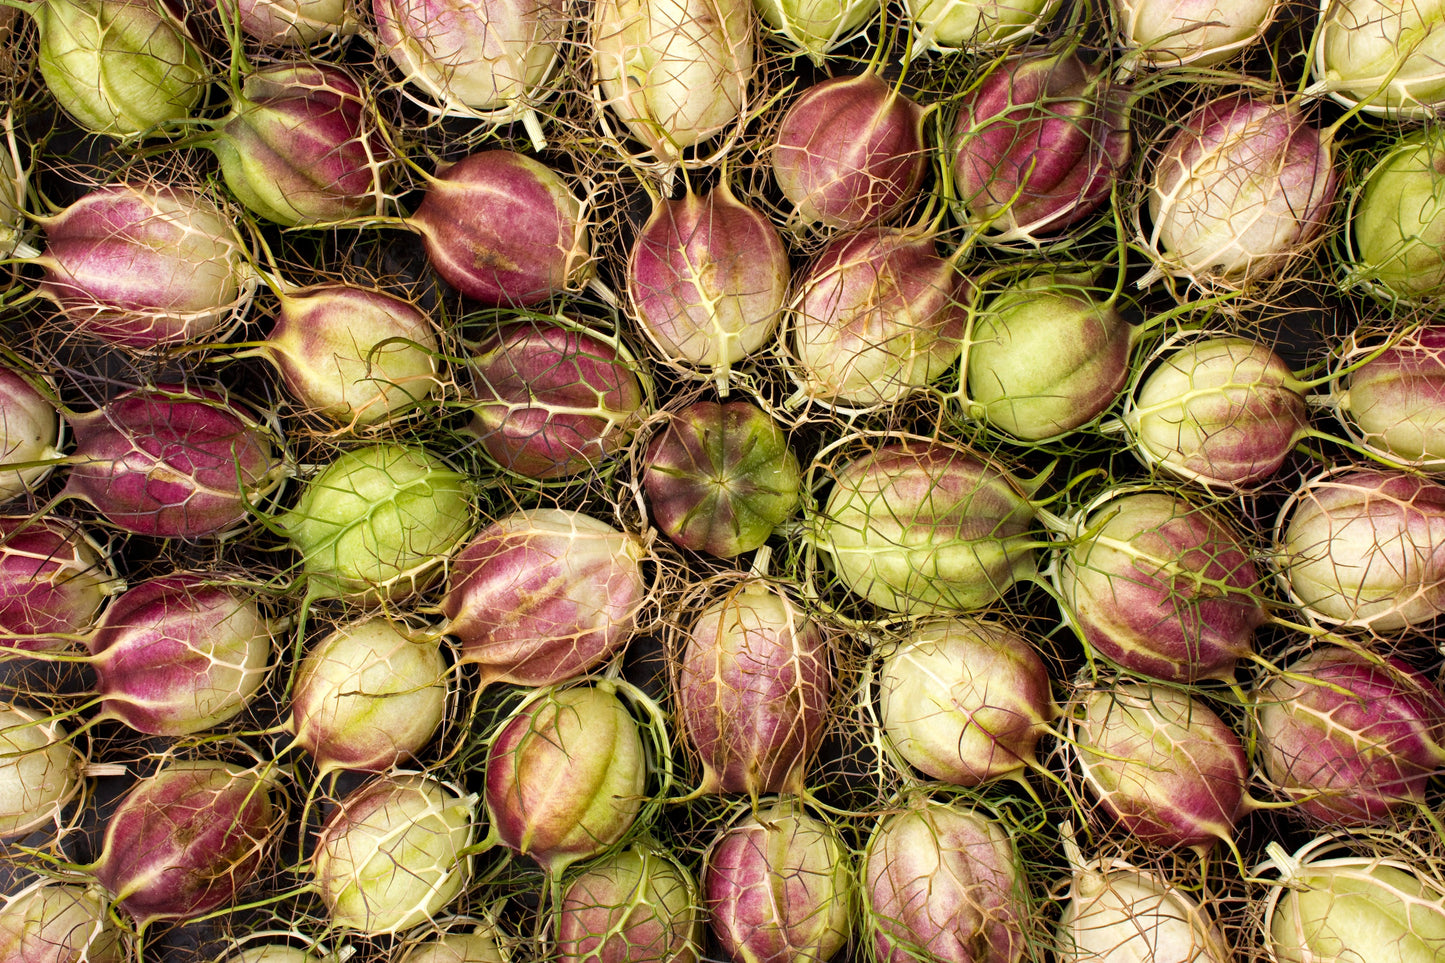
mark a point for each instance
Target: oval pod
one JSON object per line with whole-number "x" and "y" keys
{"x": 29, "y": 432}
{"x": 479, "y": 946}
{"x": 288, "y": 23}
{"x": 816, "y": 26}
{"x": 1397, "y": 222}
{"x": 977, "y": 25}
{"x": 54, "y": 578}
{"x": 636, "y": 905}
{"x": 1167, "y": 33}
{"x": 1384, "y": 56}
{"x": 40, "y": 770}
{"x": 1395, "y": 401}
{"x": 53, "y": 922}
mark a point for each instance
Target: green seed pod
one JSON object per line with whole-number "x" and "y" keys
{"x": 816, "y": 26}
{"x": 1383, "y": 54}
{"x": 1398, "y": 226}
{"x": 977, "y": 24}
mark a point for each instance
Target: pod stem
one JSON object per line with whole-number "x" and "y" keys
{"x": 533, "y": 126}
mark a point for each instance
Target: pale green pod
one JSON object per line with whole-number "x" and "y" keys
{"x": 977, "y": 25}
{"x": 816, "y": 26}
{"x": 1386, "y": 55}
{"x": 1397, "y": 231}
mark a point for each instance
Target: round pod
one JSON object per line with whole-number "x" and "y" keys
{"x": 977, "y": 25}
{"x": 52, "y": 922}
{"x": 29, "y": 432}
{"x": 1167, "y": 33}
{"x": 1381, "y": 55}
{"x": 40, "y": 770}
{"x": 1394, "y": 402}
{"x": 481, "y": 945}
{"x": 1116, "y": 913}
{"x": 635, "y": 904}
{"x": 54, "y": 579}
{"x": 1397, "y": 223}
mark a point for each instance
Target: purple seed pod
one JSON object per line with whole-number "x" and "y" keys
{"x": 707, "y": 279}
{"x": 172, "y": 462}
{"x": 288, "y": 23}
{"x": 40, "y": 771}
{"x": 146, "y": 266}
{"x": 942, "y": 883}
{"x": 1395, "y": 402}
{"x": 552, "y": 400}
{"x": 753, "y": 690}
{"x": 1224, "y": 412}
{"x": 1363, "y": 549}
{"x": 878, "y": 315}
{"x": 53, "y": 922}
{"x": 1351, "y": 737}
{"x": 29, "y": 432}
{"x": 964, "y": 700}
{"x": 1243, "y": 186}
{"x": 720, "y": 478}
{"x": 1162, "y": 763}
{"x": 850, "y": 152}
{"x": 300, "y": 146}
{"x": 354, "y": 355}
{"x": 544, "y": 595}
{"x": 778, "y": 886}
{"x": 187, "y": 840}
{"x": 504, "y": 229}
{"x": 180, "y": 654}
{"x": 53, "y": 580}
{"x": 636, "y": 905}
{"x": 1038, "y": 146}
{"x": 1161, "y": 587}
{"x": 566, "y": 776}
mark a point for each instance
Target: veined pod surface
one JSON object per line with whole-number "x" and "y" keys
{"x": 778, "y": 885}
{"x": 481, "y": 945}
{"x": 29, "y": 431}
{"x": 816, "y": 26}
{"x": 545, "y": 594}
{"x": 1395, "y": 401}
{"x": 636, "y": 905}
{"x": 487, "y": 57}
{"x": 1168, "y": 33}
{"x": 53, "y": 922}
{"x": 964, "y": 700}
{"x": 675, "y": 72}
{"x": 753, "y": 690}
{"x": 288, "y": 23}
{"x": 941, "y": 883}
{"x": 1222, "y": 411}
{"x": 1349, "y": 736}
{"x": 1382, "y": 54}
{"x": 54, "y": 578}
{"x": 40, "y": 770}
{"x": 1362, "y": 548}
{"x": 977, "y": 24}
{"x": 1397, "y": 225}
{"x": 272, "y": 953}
{"x": 925, "y": 527}
{"x": 13, "y": 183}
{"x": 1162, "y": 587}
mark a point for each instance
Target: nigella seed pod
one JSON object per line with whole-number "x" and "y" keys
{"x": 877, "y": 316}
{"x": 566, "y": 775}
{"x": 753, "y": 690}
{"x": 543, "y": 595}
{"x": 1362, "y": 549}
{"x": 1167, "y": 33}
{"x": 977, "y": 25}
{"x": 54, "y": 578}
{"x": 40, "y": 770}
{"x": 707, "y": 279}
{"x": 288, "y": 23}
{"x": 778, "y": 885}
{"x": 1397, "y": 221}
{"x": 1038, "y": 146}
{"x": 1239, "y": 191}
{"x": 1382, "y": 55}
{"x": 300, "y": 146}
{"x": 816, "y": 26}
{"x": 172, "y": 462}
{"x": 1161, "y": 587}
{"x": 1350, "y": 736}
{"x": 479, "y": 946}
{"x": 1162, "y": 763}
{"x": 941, "y": 882}
{"x": 964, "y": 700}
{"x": 1223, "y": 411}
{"x": 850, "y": 152}
{"x": 187, "y": 840}
{"x": 554, "y": 400}
{"x": 1395, "y": 401}
{"x": 146, "y": 266}
{"x": 29, "y": 432}
{"x": 675, "y": 72}
{"x": 180, "y": 654}
{"x": 636, "y": 905}
{"x": 53, "y": 922}
{"x": 504, "y": 229}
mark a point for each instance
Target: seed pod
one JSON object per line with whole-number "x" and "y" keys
{"x": 925, "y": 527}
{"x": 977, "y": 25}
{"x": 59, "y": 923}
{"x": 118, "y": 67}
{"x": 273, "y": 953}
{"x": 187, "y": 840}
{"x": 180, "y": 654}
{"x": 145, "y": 266}
{"x": 778, "y": 885}
{"x": 1239, "y": 191}
{"x": 40, "y": 770}
{"x": 553, "y": 400}
{"x": 391, "y": 855}
{"x": 1046, "y": 356}
{"x": 636, "y": 905}
{"x": 479, "y": 946}
{"x": 675, "y": 72}
{"x": 13, "y": 226}
{"x": 354, "y": 355}
{"x": 1162, "y": 763}
{"x": 172, "y": 462}
{"x": 1362, "y": 549}
{"x": 566, "y": 775}
{"x": 1169, "y": 33}
{"x": 964, "y": 700}
{"x": 941, "y": 883}
{"x": 753, "y": 690}
{"x": 1038, "y": 146}
{"x": 503, "y": 229}
{"x": 850, "y": 152}
{"x": 29, "y": 432}
{"x": 369, "y": 695}
{"x": 1385, "y": 56}
{"x": 707, "y": 279}
{"x": 1351, "y": 737}
{"x": 473, "y": 58}
{"x": 53, "y": 580}
{"x": 544, "y": 595}
{"x": 288, "y": 23}
{"x": 1161, "y": 587}
{"x": 720, "y": 478}
{"x": 1222, "y": 411}
{"x": 1396, "y": 400}
{"x": 300, "y": 146}
{"x": 1397, "y": 224}
{"x": 816, "y": 26}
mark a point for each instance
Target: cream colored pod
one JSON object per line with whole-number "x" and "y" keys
{"x": 977, "y": 24}
{"x": 816, "y": 26}
{"x": 1388, "y": 56}
{"x": 39, "y": 770}
{"x": 480, "y": 945}
{"x": 59, "y": 923}
{"x": 675, "y": 72}
{"x": 1167, "y": 33}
